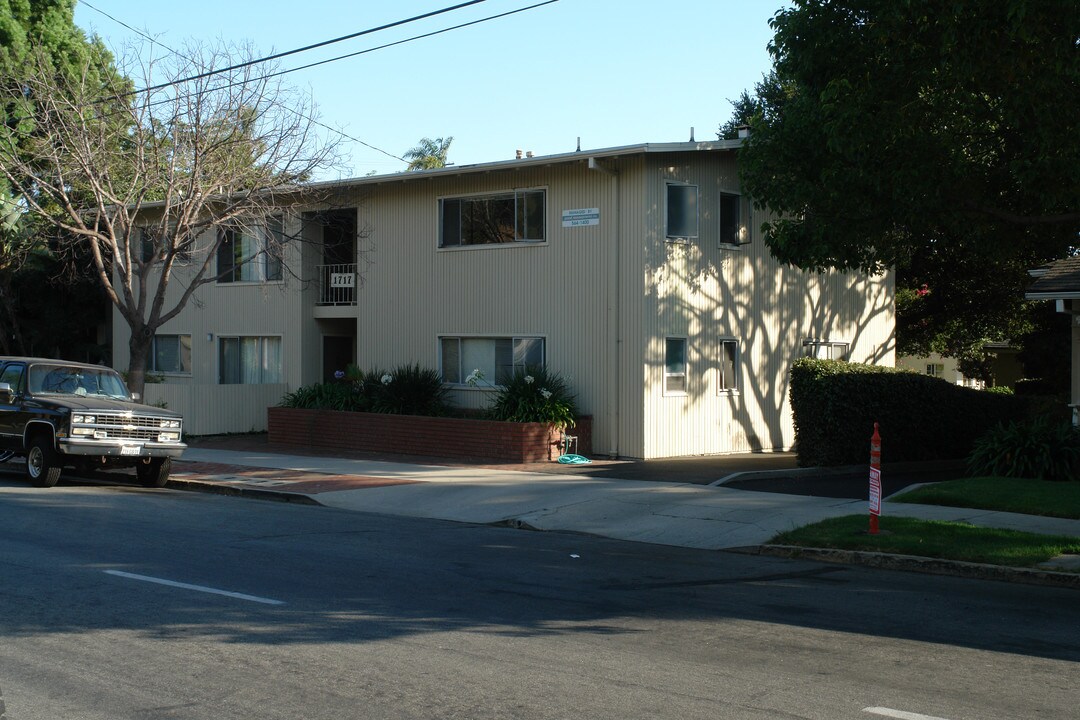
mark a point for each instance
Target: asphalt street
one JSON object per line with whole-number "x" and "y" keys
{"x": 121, "y": 602}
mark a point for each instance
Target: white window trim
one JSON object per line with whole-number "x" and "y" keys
{"x": 681, "y": 239}
{"x": 819, "y": 342}
{"x": 736, "y": 387}
{"x": 686, "y": 368}
{"x": 548, "y": 227}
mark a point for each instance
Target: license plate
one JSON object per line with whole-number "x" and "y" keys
{"x": 131, "y": 450}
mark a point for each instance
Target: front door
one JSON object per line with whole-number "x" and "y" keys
{"x": 338, "y": 353}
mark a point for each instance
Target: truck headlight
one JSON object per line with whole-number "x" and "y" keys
{"x": 170, "y": 424}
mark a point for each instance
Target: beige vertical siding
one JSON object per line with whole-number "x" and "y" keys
{"x": 706, "y": 293}
{"x": 217, "y": 409}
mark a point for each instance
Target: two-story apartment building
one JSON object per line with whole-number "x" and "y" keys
{"x": 637, "y": 272}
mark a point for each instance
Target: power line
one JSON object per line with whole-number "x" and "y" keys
{"x": 324, "y": 43}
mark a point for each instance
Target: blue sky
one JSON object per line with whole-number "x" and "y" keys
{"x": 612, "y": 72}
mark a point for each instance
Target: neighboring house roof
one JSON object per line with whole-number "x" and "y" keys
{"x": 1058, "y": 280}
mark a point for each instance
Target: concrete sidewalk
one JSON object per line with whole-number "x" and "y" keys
{"x": 686, "y": 514}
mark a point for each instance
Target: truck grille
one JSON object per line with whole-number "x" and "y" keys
{"x": 137, "y": 427}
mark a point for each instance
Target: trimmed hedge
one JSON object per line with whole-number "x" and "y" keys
{"x": 835, "y": 405}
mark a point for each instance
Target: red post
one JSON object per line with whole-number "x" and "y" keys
{"x": 875, "y": 480}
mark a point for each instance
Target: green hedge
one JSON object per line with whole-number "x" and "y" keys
{"x": 835, "y": 405}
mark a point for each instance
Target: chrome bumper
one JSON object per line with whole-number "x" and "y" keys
{"x": 118, "y": 448}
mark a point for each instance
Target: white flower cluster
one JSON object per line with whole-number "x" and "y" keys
{"x": 386, "y": 379}
{"x": 546, "y": 393}
{"x": 474, "y": 377}
{"x": 529, "y": 379}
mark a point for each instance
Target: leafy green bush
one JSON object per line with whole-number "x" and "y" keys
{"x": 835, "y": 405}
{"x": 1040, "y": 449}
{"x": 326, "y": 396}
{"x": 1001, "y": 390}
{"x": 536, "y": 394}
{"x": 407, "y": 390}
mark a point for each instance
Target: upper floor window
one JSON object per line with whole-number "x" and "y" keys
{"x": 251, "y": 254}
{"x": 517, "y": 216}
{"x": 498, "y": 358}
{"x": 730, "y": 220}
{"x": 825, "y": 349}
{"x": 681, "y": 215}
{"x": 151, "y": 242}
{"x": 170, "y": 354}
{"x": 675, "y": 365}
{"x": 935, "y": 369}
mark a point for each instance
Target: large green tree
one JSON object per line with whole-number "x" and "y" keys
{"x": 34, "y": 278}
{"x": 939, "y": 139}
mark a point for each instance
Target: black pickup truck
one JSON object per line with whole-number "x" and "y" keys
{"x": 58, "y": 414}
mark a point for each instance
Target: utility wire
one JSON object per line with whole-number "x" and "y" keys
{"x": 276, "y": 56}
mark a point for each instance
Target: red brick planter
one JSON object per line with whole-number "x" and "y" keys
{"x": 431, "y": 436}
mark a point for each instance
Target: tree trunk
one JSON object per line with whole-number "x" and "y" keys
{"x": 139, "y": 347}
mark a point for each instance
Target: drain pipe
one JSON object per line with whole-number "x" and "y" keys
{"x": 614, "y": 345}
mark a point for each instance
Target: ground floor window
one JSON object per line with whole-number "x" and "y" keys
{"x": 675, "y": 365}
{"x": 249, "y": 360}
{"x": 170, "y": 354}
{"x": 825, "y": 349}
{"x": 728, "y": 376}
{"x": 496, "y": 357}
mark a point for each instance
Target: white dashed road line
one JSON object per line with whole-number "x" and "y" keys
{"x": 900, "y": 714}
{"x": 198, "y": 588}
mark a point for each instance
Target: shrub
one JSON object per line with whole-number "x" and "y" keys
{"x": 1001, "y": 390}
{"x": 1041, "y": 449}
{"x": 407, "y": 390}
{"x": 326, "y": 396}
{"x": 835, "y": 405}
{"x": 536, "y": 394}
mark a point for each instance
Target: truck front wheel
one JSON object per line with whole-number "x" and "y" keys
{"x": 42, "y": 464}
{"x": 154, "y": 473}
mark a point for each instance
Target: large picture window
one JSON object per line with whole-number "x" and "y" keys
{"x": 517, "y": 216}
{"x": 170, "y": 354}
{"x": 496, "y": 357}
{"x": 825, "y": 349}
{"x": 252, "y": 254}
{"x": 681, "y": 216}
{"x": 675, "y": 365}
{"x": 249, "y": 360}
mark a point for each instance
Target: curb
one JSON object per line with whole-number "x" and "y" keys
{"x": 811, "y": 472}
{"x": 914, "y": 563}
{"x": 244, "y": 492}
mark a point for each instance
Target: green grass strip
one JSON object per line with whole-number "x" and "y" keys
{"x": 1031, "y": 497}
{"x": 933, "y": 539}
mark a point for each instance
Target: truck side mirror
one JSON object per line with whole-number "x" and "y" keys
{"x": 134, "y": 396}
{"x": 5, "y": 392}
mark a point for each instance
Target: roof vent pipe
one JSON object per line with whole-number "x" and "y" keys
{"x": 528, "y": 153}
{"x": 518, "y": 155}
{"x": 691, "y": 133}
{"x": 744, "y": 131}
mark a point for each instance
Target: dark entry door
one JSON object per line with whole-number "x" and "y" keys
{"x": 338, "y": 353}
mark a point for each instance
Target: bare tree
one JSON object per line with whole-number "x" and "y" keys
{"x": 159, "y": 176}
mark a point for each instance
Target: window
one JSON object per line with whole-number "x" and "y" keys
{"x": 728, "y": 380}
{"x": 496, "y": 358}
{"x": 249, "y": 360}
{"x": 730, "y": 220}
{"x": 517, "y": 216}
{"x": 825, "y": 349}
{"x": 170, "y": 354}
{"x": 251, "y": 254}
{"x": 682, "y": 211}
{"x": 935, "y": 369}
{"x": 12, "y": 375}
{"x": 149, "y": 243}
{"x": 675, "y": 365}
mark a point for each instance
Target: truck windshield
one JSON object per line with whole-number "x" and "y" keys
{"x": 67, "y": 380}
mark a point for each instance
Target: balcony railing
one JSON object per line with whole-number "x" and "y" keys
{"x": 337, "y": 284}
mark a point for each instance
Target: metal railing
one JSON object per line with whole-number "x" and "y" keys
{"x": 337, "y": 284}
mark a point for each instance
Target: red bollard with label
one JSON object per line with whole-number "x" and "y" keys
{"x": 875, "y": 480}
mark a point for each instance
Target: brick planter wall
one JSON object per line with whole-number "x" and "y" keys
{"x": 430, "y": 436}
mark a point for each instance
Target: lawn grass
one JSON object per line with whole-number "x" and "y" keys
{"x": 1031, "y": 497}
{"x": 934, "y": 539}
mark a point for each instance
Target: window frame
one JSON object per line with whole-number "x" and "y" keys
{"x": 733, "y": 387}
{"x": 267, "y": 261}
{"x": 685, "y": 374}
{"x": 676, "y": 237}
{"x": 810, "y": 345}
{"x": 152, "y": 364}
{"x": 519, "y": 196}
{"x": 493, "y": 380}
{"x": 721, "y": 225}
{"x": 262, "y": 348}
